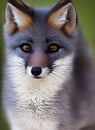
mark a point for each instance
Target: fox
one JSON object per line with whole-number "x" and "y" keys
{"x": 49, "y": 72}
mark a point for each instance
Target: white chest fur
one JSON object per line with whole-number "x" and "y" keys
{"x": 33, "y": 109}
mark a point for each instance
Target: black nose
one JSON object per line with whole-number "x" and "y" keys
{"x": 36, "y": 71}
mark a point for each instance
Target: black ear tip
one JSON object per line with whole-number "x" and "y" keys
{"x": 10, "y": 1}
{"x": 62, "y": 1}
{"x": 60, "y": 4}
{"x": 15, "y": 1}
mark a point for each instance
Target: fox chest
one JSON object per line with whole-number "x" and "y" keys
{"x": 38, "y": 114}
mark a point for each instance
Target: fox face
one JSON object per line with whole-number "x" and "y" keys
{"x": 41, "y": 38}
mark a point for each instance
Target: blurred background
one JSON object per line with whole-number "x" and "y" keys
{"x": 86, "y": 14}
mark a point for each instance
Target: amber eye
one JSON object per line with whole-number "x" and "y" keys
{"x": 53, "y": 48}
{"x": 26, "y": 47}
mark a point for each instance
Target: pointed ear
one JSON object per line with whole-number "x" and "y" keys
{"x": 63, "y": 17}
{"x": 18, "y": 16}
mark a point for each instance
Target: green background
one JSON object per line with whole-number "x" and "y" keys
{"x": 86, "y": 14}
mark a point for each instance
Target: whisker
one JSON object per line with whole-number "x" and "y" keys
{"x": 54, "y": 74}
{"x": 62, "y": 65}
{"x": 18, "y": 63}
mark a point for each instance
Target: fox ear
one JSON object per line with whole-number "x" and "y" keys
{"x": 18, "y": 16}
{"x": 63, "y": 16}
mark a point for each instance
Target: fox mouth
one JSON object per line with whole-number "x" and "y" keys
{"x": 36, "y": 77}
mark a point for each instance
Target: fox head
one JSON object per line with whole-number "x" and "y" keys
{"x": 40, "y": 42}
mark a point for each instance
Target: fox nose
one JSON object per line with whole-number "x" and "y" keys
{"x": 36, "y": 71}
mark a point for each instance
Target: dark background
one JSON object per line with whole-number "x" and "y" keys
{"x": 86, "y": 15}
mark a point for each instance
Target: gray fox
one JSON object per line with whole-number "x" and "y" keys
{"x": 49, "y": 75}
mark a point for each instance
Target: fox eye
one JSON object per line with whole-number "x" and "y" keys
{"x": 26, "y": 47}
{"x": 53, "y": 48}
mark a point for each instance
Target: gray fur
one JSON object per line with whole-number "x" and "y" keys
{"x": 73, "y": 105}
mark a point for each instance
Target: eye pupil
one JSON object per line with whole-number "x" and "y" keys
{"x": 53, "y": 48}
{"x": 26, "y": 47}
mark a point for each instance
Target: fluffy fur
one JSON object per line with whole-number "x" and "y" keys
{"x": 61, "y": 97}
